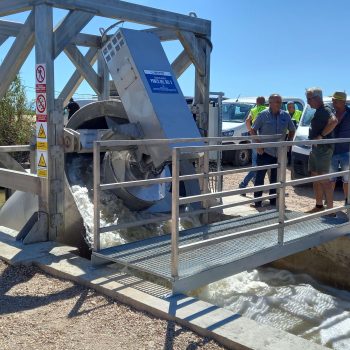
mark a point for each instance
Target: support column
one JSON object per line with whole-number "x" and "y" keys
{"x": 51, "y": 201}
{"x": 202, "y": 84}
{"x": 103, "y": 73}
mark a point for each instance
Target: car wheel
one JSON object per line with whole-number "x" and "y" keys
{"x": 242, "y": 157}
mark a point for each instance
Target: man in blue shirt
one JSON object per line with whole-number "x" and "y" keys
{"x": 272, "y": 121}
{"x": 341, "y": 154}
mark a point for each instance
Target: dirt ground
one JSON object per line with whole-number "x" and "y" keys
{"x": 38, "y": 311}
{"x": 299, "y": 198}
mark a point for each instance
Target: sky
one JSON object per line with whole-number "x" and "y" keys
{"x": 259, "y": 47}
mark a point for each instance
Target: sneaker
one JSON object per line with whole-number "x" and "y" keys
{"x": 256, "y": 205}
{"x": 241, "y": 185}
{"x": 315, "y": 210}
{"x": 331, "y": 215}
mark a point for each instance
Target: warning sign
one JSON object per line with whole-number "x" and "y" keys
{"x": 40, "y": 118}
{"x": 42, "y": 161}
{"x": 42, "y": 146}
{"x": 41, "y": 104}
{"x": 40, "y": 73}
{"x": 41, "y": 133}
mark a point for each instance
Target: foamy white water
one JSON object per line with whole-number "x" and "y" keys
{"x": 292, "y": 302}
{"x": 113, "y": 210}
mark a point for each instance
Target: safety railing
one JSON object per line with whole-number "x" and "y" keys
{"x": 16, "y": 179}
{"x": 110, "y": 145}
{"x": 205, "y": 197}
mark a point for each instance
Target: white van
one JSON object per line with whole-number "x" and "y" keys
{"x": 234, "y": 114}
{"x": 300, "y": 154}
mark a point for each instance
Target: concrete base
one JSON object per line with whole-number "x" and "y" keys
{"x": 329, "y": 263}
{"x": 229, "y": 329}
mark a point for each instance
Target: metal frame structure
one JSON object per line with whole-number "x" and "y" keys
{"x": 204, "y": 197}
{"x": 38, "y": 31}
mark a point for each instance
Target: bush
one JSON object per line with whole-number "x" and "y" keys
{"x": 17, "y": 123}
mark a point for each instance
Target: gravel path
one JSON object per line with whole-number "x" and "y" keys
{"x": 300, "y": 198}
{"x": 38, "y": 311}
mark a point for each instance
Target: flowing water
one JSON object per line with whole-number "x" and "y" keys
{"x": 292, "y": 302}
{"x": 295, "y": 303}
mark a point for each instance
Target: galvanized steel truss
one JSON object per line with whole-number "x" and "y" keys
{"x": 49, "y": 41}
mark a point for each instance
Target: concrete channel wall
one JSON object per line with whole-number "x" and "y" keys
{"x": 328, "y": 263}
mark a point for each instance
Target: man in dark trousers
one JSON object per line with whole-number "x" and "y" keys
{"x": 72, "y": 107}
{"x": 340, "y": 158}
{"x": 271, "y": 121}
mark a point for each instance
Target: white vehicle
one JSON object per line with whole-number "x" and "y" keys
{"x": 234, "y": 114}
{"x": 300, "y": 154}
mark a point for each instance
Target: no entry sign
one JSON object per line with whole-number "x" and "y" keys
{"x": 40, "y": 74}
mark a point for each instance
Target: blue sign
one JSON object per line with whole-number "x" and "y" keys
{"x": 161, "y": 82}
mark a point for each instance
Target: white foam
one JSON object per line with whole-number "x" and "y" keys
{"x": 294, "y": 303}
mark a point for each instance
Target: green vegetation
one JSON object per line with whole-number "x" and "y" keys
{"x": 16, "y": 119}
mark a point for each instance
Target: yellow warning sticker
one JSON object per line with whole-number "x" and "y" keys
{"x": 42, "y": 161}
{"x": 41, "y": 132}
{"x": 42, "y": 146}
{"x": 42, "y": 173}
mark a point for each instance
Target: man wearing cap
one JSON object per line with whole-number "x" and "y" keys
{"x": 341, "y": 154}
{"x": 294, "y": 113}
{"x": 321, "y": 127}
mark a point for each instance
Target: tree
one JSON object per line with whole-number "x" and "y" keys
{"x": 16, "y": 120}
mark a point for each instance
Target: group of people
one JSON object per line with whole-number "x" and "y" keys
{"x": 324, "y": 158}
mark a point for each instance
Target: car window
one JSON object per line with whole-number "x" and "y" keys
{"x": 309, "y": 113}
{"x": 235, "y": 112}
{"x": 298, "y": 106}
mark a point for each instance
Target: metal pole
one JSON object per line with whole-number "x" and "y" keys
{"x": 206, "y": 186}
{"x": 97, "y": 181}
{"x": 219, "y": 155}
{"x": 348, "y": 194}
{"x": 282, "y": 160}
{"x": 175, "y": 214}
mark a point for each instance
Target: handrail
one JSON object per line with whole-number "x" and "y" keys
{"x": 177, "y": 151}
{"x": 16, "y": 148}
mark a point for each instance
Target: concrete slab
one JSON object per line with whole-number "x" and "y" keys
{"x": 229, "y": 329}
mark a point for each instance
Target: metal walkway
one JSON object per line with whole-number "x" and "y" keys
{"x": 208, "y": 264}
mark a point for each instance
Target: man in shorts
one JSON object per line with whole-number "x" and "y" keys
{"x": 341, "y": 154}
{"x": 321, "y": 127}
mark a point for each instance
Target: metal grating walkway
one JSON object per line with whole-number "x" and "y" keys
{"x": 209, "y": 264}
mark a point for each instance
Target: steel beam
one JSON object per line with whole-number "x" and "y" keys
{"x": 21, "y": 181}
{"x": 163, "y": 34}
{"x": 9, "y": 7}
{"x": 10, "y": 28}
{"x": 76, "y": 79}
{"x": 181, "y": 63}
{"x": 3, "y": 38}
{"x": 17, "y": 54}
{"x": 194, "y": 50}
{"x": 139, "y": 14}
{"x": 84, "y": 67}
{"x": 67, "y": 30}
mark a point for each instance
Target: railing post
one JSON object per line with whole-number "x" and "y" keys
{"x": 206, "y": 185}
{"x": 97, "y": 189}
{"x": 175, "y": 214}
{"x": 281, "y": 178}
{"x": 348, "y": 194}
